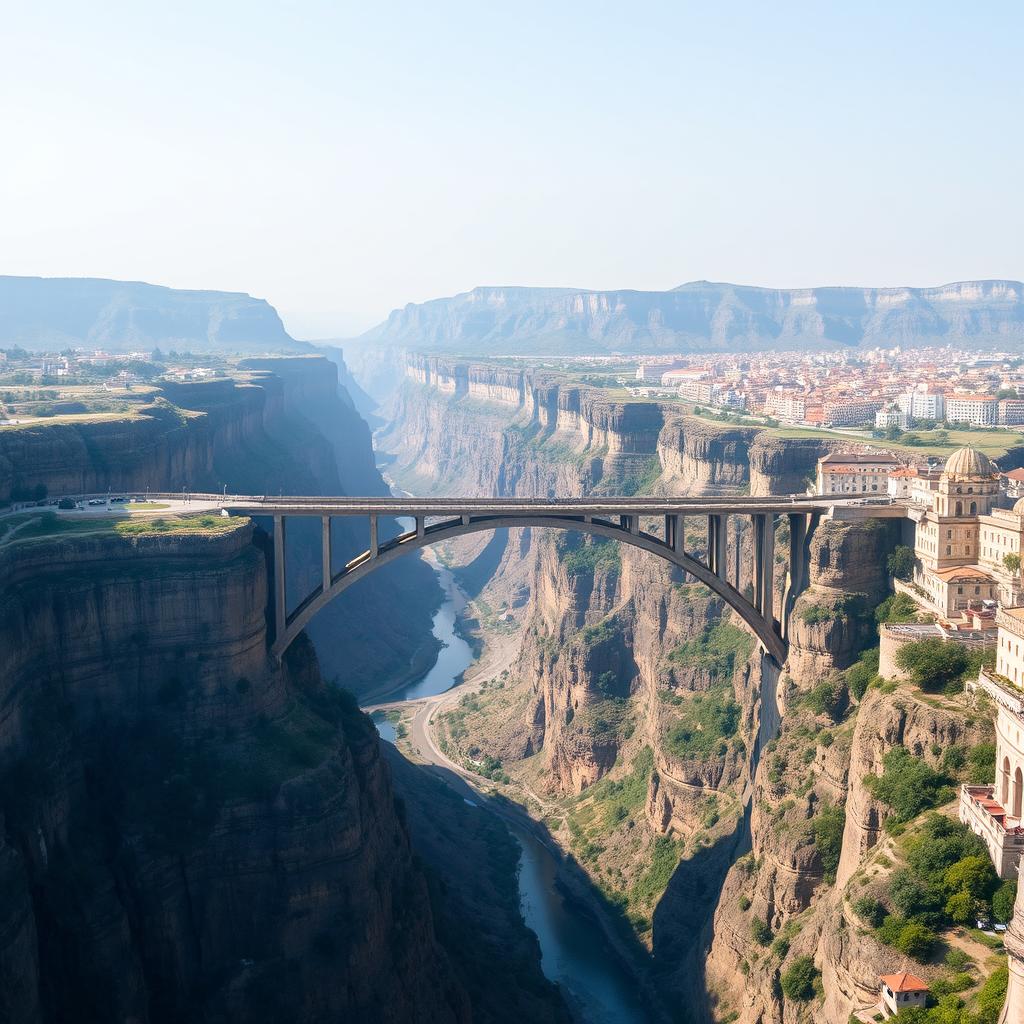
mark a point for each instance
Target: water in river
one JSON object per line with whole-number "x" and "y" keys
{"x": 573, "y": 951}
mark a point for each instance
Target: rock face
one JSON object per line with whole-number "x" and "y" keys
{"x": 288, "y": 428}
{"x": 189, "y": 831}
{"x": 704, "y": 316}
{"x": 53, "y": 313}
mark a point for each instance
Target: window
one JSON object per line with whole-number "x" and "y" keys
{"x": 948, "y": 549}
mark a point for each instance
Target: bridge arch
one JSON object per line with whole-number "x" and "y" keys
{"x": 770, "y": 634}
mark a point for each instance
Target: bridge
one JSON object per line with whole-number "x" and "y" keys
{"x": 626, "y": 520}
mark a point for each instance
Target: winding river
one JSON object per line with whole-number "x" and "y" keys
{"x": 573, "y": 951}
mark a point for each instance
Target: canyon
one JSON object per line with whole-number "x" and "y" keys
{"x": 193, "y": 831}
{"x": 190, "y": 830}
{"x": 680, "y": 773}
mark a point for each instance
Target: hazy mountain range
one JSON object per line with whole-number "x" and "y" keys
{"x": 48, "y": 313}
{"x": 118, "y": 315}
{"x": 706, "y": 316}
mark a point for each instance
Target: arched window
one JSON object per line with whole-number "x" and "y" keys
{"x": 959, "y": 508}
{"x": 1018, "y": 792}
{"x": 974, "y": 508}
{"x": 1006, "y": 781}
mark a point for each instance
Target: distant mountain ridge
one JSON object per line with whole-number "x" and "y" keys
{"x": 706, "y": 316}
{"x": 52, "y": 312}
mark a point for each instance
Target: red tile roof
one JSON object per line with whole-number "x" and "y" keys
{"x": 905, "y": 982}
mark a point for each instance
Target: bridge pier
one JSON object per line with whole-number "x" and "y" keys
{"x": 325, "y": 552}
{"x": 764, "y": 563}
{"x": 280, "y": 594}
{"x": 374, "y": 546}
{"x": 718, "y": 547}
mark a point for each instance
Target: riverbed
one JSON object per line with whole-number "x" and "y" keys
{"x": 574, "y": 953}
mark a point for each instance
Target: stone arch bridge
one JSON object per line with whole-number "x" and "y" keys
{"x": 657, "y": 525}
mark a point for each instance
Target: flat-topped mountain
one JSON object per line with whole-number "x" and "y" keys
{"x": 48, "y": 313}
{"x": 703, "y": 316}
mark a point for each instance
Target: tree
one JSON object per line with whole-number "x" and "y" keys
{"x": 974, "y": 875}
{"x": 1012, "y": 561}
{"x": 960, "y": 907}
{"x": 1003, "y": 900}
{"x": 798, "y": 981}
{"x": 900, "y": 562}
{"x": 916, "y": 940}
{"x": 934, "y": 665}
{"x": 828, "y": 838}
{"x": 908, "y": 784}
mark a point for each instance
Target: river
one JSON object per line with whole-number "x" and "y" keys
{"x": 573, "y": 951}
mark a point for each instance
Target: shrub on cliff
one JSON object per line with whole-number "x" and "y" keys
{"x": 934, "y": 665}
{"x": 718, "y": 650}
{"x": 908, "y": 785}
{"x": 897, "y": 608}
{"x": 828, "y": 827}
{"x": 707, "y": 722}
{"x": 591, "y": 556}
{"x": 900, "y": 562}
{"x": 800, "y": 980}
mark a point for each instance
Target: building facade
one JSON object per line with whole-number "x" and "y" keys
{"x": 978, "y": 410}
{"x": 849, "y": 473}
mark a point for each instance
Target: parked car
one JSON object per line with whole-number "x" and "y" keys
{"x": 96, "y": 501}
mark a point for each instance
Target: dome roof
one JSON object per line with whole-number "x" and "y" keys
{"x": 969, "y": 462}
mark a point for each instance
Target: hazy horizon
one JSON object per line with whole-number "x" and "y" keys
{"x": 342, "y": 161}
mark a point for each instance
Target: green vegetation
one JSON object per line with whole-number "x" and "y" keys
{"x": 849, "y": 605}
{"x": 717, "y": 650}
{"x": 829, "y": 697}
{"x": 591, "y": 556}
{"x": 947, "y": 880}
{"x": 897, "y": 608}
{"x": 828, "y": 827}
{"x": 706, "y": 723}
{"x": 760, "y": 932}
{"x": 1012, "y": 561}
{"x": 909, "y": 785}
{"x": 800, "y": 981}
{"x": 951, "y": 1009}
{"x": 936, "y": 666}
{"x": 862, "y": 673}
{"x": 900, "y": 562}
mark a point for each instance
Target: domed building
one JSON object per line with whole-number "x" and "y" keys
{"x": 962, "y": 541}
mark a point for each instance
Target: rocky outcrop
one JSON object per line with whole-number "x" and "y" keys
{"x": 833, "y": 620}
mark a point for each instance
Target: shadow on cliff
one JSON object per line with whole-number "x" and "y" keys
{"x": 578, "y": 891}
{"x": 683, "y": 921}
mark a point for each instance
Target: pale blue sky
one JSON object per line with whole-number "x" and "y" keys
{"x": 341, "y": 159}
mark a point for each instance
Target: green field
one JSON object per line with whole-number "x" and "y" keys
{"x": 45, "y": 525}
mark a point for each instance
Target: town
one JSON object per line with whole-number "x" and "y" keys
{"x": 879, "y": 389}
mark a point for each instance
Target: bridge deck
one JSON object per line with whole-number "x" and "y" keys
{"x": 644, "y": 506}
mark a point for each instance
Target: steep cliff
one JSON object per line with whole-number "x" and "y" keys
{"x": 191, "y": 832}
{"x": 704, "y": 316}
{"x": 284, "y": 425}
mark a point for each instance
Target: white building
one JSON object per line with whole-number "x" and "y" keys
{"x": 856, "y": 473}
{"x": 923, "y": 405}
{"x": 849, "y": 412}
{"x": 978, "y": 410}
{"x": 653, "y": 372}
{"x": 891, "y": 416}
{"x": 898, "y": 991}
{"x": 1011, "y": 411}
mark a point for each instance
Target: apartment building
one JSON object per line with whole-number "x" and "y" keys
{"x": 978, "y": 410}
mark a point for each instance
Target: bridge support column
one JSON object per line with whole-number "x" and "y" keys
{"x": 796, "y": 577}
{"x": 718, "y": 548}
{"x": 280, "y": 596}
{"x": 374, "y": 546}
{"x": 631, "y": 523}
{"x": 764, "y": 562}
{"x": 421, "y": 526}
{"x": 674, "y": 532}
{"x": 737, "y": 530}
{"x": 325, "y": 553}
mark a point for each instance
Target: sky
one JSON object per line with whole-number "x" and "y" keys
{"x": 342, "y": 159}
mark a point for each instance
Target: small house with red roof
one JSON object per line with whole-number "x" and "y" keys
{"x": 898, "y": 991}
